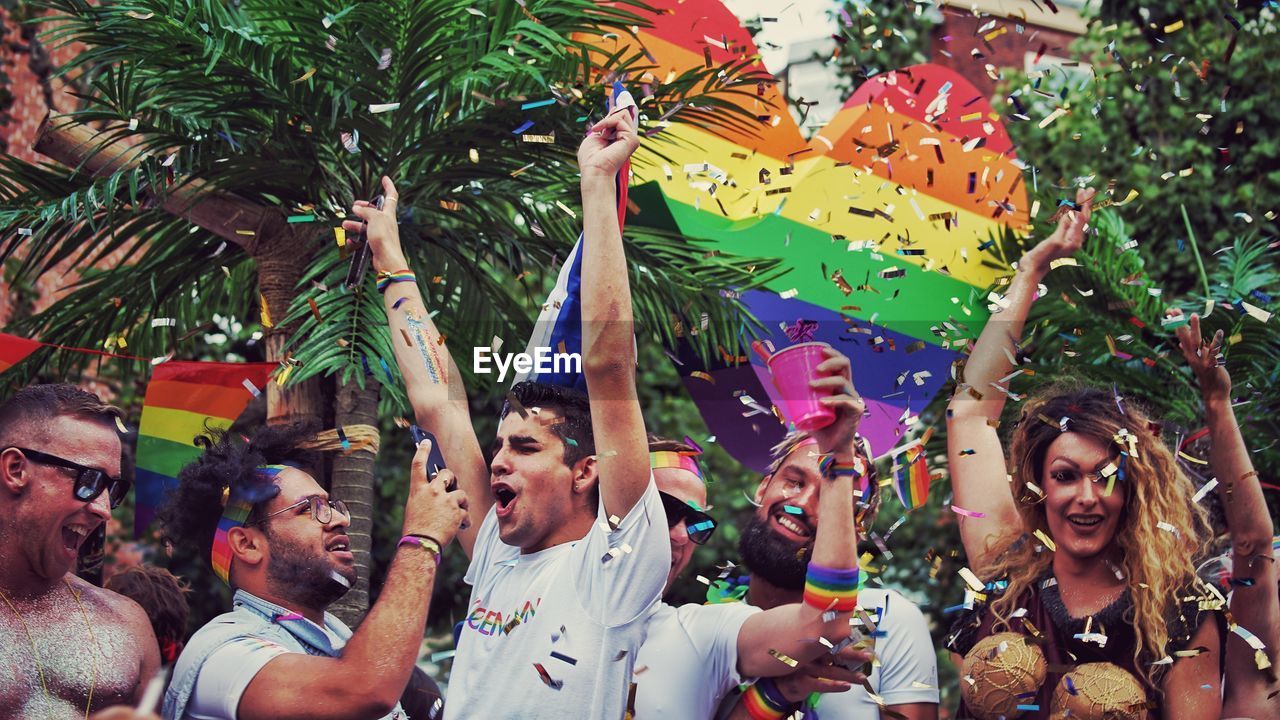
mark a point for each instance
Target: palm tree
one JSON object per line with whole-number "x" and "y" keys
{"x": 219, "y": 143}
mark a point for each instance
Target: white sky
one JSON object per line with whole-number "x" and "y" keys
{"x": 798, "y": 20}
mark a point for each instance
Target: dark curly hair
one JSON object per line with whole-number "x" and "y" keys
{"x": 162, "y": 595}
{"x": 572, "y": 406}
{"x": 191, "y": 512}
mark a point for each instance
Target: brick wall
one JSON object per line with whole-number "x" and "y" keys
{"x": 1007, "y": 50}
{"x": 31, "y": 101}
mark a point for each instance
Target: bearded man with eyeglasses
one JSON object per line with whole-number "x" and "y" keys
{"x": 69, "y": 648}
{"x": 272, "y": 533}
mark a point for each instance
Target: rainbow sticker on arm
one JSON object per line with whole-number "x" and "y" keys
{"x": 237, "y": 504}
{"x": 883, "y": 221}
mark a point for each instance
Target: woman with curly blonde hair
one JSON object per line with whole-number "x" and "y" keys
{"x": 1085, "y": 540}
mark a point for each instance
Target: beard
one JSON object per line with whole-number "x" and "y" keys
{"x": 298, "y": 574}
{"x": 778, "y": 561}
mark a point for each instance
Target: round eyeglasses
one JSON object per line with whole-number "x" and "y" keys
{"x": 322, "y": 510}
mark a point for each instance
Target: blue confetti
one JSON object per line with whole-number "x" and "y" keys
{"x": 525, "y": 126}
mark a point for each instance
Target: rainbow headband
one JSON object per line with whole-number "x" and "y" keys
{"x": 669, "y": 459}
{"x": 234, "y": 512}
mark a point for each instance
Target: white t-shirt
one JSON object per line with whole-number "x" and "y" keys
{"x": 689, "y": 660}
{"x": 908, "y": 670}
{"x": 579, "y": 617}
{"x": 228, "y": 671}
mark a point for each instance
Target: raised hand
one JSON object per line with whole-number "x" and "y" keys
{"x": 848, "y": 405}
{"x": 607, "y": 146}
{"x": 380, "y": 228}
{"x": 1065, "y": 241}
{"x": 1204, "y": 358}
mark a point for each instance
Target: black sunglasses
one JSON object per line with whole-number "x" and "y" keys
{"x": 698, "y": 524}
{"x": 90, "y": 482}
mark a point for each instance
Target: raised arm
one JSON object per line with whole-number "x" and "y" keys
{"x": 608, "y": 340}
{"x": 431, "y": 378}
{"x": 370, "y": 676}
{"x": 794, "y": 629}
{"x": 1254, "y": 607}
{"x": 974, "y": 453}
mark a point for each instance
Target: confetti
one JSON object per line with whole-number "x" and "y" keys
{"x": 304, "y": 77}
{"x": 253, "y": 390}
{"x": 967, "y": 513}
{"x": 546, "y": 677}
{"x": 383, "y": 107}
{"x": 780, "y": 657}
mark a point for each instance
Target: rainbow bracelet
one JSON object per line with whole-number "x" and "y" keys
{"x": 386, "y": 278}
{"x": 764, "y": 701}
{"x": 831, "y": 588}
{"x": 830, "y": 469}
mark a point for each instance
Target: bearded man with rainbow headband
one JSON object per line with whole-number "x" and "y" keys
{"x": 274, "y": 535}
{"x": 695, "y": 654}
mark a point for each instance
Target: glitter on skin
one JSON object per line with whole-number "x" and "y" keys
{"x": 67, "y": 654}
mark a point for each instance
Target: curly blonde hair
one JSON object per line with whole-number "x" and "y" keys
{"x": 1158, "y": 564}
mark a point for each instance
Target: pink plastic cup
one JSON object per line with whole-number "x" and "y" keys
{"x": 792, "y": 369}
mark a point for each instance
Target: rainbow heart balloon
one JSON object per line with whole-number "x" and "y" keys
{"x": 885, "y": 219}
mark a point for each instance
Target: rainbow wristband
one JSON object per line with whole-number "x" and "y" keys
{"x": 831, "y": 588}
{"x": 764, "y": 701}
{"x": 831, "y": 469}
{"x": 386, "y": 278}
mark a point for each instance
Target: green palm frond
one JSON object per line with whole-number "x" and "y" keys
{"x": 256, "y": 99}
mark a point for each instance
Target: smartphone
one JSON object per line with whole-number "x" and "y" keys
{"x": 360, "y": 259}
{"x": 435, "y": 461}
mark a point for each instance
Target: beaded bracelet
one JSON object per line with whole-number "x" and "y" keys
{"x": 831, "y": 588}
{"x": 764, "y": 701}
{"x": 385, "y": 278}
{"x": 425, "y": 542}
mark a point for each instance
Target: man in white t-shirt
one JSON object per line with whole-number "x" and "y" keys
{"x": 568, "y": 541}
{"x": 695, "y": 654}
{"x": 906, "y": 677}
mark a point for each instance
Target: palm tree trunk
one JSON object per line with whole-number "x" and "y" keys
{"x": 277, "y": 281}
{"x": 352, "y": 482}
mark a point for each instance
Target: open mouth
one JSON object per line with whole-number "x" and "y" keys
{"x": 340, "y": 546}
{"x": 73, "y": 535}
{"x": 793, "y": 524}
{"x": 504, "y": 495}
{"x": 1084, "y": 521}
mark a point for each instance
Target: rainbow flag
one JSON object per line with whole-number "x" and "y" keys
{"x": 14, "y": 349}
{"x": 911, "y": 479}
{"x": 183, "y": 399}
{"x": 883, "y": 220}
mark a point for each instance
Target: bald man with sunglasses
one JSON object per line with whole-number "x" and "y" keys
{"x": 70, "y": 648}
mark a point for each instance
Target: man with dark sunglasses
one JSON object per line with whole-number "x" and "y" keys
{"x": 695, "y": 654}
{"x": 273, "y": 534}
{"x": 73, "y": 648}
